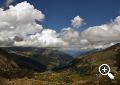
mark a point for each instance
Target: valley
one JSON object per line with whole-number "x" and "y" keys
{"x": 34, "y": 66}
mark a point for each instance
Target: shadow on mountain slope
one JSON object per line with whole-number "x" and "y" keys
{"x": 19, "y": 61}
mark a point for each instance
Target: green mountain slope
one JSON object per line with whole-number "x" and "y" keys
{"x": 92, "y": 61}
{"x": 80, "y": 71}
{"x": 46, "y": 56}
{"x": 10, "y": 61}
{"x": 87, "y": 66}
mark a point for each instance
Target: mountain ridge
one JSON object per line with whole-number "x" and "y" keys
{"x": 46, "y": 56}
{"x": 22, "y": 61}
{"x": 108, "y": 56}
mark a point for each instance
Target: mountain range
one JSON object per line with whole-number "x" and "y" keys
{"x": 35, "y": 57}
{"x": 65, "y": 69}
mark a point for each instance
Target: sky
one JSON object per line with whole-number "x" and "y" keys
{"x": 83, "y": 24}
{"x": 59, "y": 12}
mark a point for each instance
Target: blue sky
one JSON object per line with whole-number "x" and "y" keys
{"x": 102, "y": 16}
{"x": 58, "y": 13}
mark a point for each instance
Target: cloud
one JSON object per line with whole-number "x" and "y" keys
{"x": 18, "y": 27}
{"x": 70, "y": 35}
{"x": 94, "y": 37}
{"x": 47, "y": 38}
{"x": 19, "y": 20}
{"x": 104, "y": 34}
{"x": 76, "y": 22}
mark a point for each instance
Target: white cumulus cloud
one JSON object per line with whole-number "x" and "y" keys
{"x": 70, "y": 35}
{"x": 18, "y": 27}
{"x": 76, "y": 22}
{"x": 47, "y": 38}
{"x": 94, "y": 37}
{"x": 104, "y": 34}
{"x": 19, "y": 20}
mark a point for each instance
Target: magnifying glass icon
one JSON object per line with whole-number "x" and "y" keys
{"x": 104, "y": 69}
